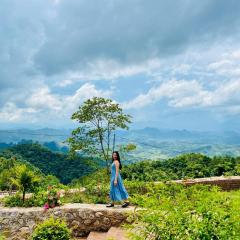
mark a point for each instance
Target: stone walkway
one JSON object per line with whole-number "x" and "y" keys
{"x": 95, "y": 207}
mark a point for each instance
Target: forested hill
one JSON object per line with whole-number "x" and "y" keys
{"x": 191, "y": 165}
{"x": 57, "y": 164}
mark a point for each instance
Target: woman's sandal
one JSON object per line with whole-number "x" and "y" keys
{"x": 110, "y": 205}
{"x": 125, "y": 204}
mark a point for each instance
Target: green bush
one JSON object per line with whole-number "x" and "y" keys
{"x": 172, "y": 211}
{"x": 36, "y": 200}
{"x": 2, "y": 238}
{"x": 75, "y": 197}
{"x": 137, "y": 187}
{"x": 52, "y": 229}
{"x": 97, "y": 193}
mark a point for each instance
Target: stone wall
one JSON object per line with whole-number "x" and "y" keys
{"x": 18, "y": 223}
{"x": 226, "y": 183}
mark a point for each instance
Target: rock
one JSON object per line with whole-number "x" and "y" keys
{"x": 18, "y": 223}
{"x": 87, "y": 222}
{"x": 98, "y": 214}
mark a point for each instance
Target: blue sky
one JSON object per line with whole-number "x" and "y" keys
{"x": 170, "y": 64}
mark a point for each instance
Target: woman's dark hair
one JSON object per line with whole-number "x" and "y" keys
{"x": 118, "y": 158}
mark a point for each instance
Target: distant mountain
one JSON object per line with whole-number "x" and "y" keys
{"x": 152, "y": 143}
{"x": 41, "y": 135}
{"x": 225, "y": 137}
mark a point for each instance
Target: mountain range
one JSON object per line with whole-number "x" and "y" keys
{"x": 152, "y": 143}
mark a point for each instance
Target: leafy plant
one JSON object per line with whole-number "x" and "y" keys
{"x": 172, "y": 211}
{"x": 75, "y": 197}
{"x": 25, "y": 179}
{"x": 99, "y": 118}
{"x": 1, "y": 237}
{"x": 36, "y": 200}
{"x": 52, "y": 229}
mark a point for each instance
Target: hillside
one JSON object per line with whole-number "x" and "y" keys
{"x": 57, "y": 164}
{"x": 192, "y": 165}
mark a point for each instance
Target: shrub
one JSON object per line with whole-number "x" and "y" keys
{"x": 25, "y": 179}
{"x": 52, "y": 229}
{"x": 75, "y": 197}
{"x": 137, "y": 187}
{"x": 172, "y": 211}
{"x": 97, "y": 193}
{"x": 36, "y": 200}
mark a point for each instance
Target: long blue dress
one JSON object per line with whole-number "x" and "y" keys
{"x": 118, "y": 192}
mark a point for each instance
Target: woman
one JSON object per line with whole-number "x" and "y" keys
{"x": 117, "y": 189}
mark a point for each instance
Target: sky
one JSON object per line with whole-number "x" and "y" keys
{"x": 170, "y": 64}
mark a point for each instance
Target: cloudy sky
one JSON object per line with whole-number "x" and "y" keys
{"x": 170, "y": 64}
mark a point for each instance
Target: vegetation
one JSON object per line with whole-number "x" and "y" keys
{"x": 99, "y": 118}
{"x": 172, "y": 211}
{"x": 192, "y": 165}
{"x": 61, "y": 165}
{"x": 52, "y": 229}
{"x": 16, "y": 175}
{"x": 24, "y": 179}
{"x": 1, "y": 237}
{"x": 36, "y": 200}
{"x": 167, "y": 210}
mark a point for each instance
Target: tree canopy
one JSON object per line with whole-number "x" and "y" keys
{"x": 99, "y": 118}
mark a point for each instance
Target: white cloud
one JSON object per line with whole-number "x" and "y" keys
{"x": 11, "y": 113}
{"x": 108, "y": 70}
{"x": 185, "y": 93}
{"x": 43, "y": 98}
{"x": 64, "y": 83}
{"x": 227, "y": 65}
{"x": 174, "y": 90}
{"x": 181, "y": 68}
{"x": 42, "y": 104}
{"x": 235, "y": 55}
{"x": 83, "y": 93}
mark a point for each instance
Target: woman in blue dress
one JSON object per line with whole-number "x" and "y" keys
{"x": 117, "y": 189}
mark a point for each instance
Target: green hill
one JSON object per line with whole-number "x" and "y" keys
{"x": 191, "y": 165}
{"x": 57, "y": 164}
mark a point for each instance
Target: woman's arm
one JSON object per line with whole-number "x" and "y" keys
{"x": 117, "y": 170}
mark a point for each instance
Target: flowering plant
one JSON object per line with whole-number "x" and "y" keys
{"x": 53, "y": 198}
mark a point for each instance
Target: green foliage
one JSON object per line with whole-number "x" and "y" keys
{"x": 8, "y": 167}
{"x": 99, "y": 117}
{"x": 73, "y": 197}
{"x": 98, "y": 185}
{"x": 36, "y": 200}
{"x": 1, "y": 237}
{"x": 63, "y": 166}
{"x": 192, "y": 165}
{"x": 52, "y": 229}
{"x": 25, "y": 179}
{"x": 172, "y": 211}
{"x": 97, "y": 193}
{"x": 137, "y": 187}
{"x": 125, "y": 149}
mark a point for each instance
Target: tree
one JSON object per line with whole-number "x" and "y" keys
{"x": 6, "y": 172}
{"x": 99, "y": 118}
{"x": 25, "y": 179}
